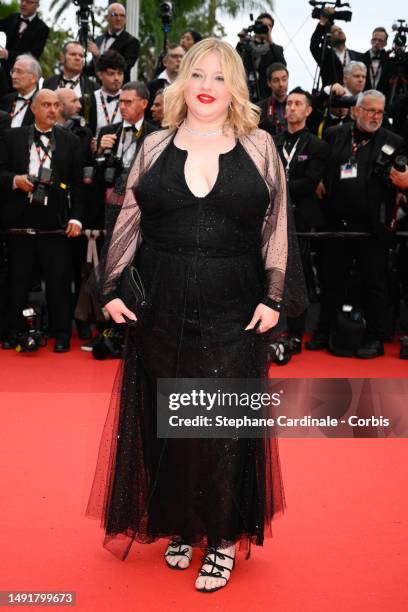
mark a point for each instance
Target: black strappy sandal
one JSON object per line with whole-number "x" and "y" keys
{"x": 215, "y": 566}
{"x": 181, "y": 551}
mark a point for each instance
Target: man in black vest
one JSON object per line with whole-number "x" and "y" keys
{"x": 333, "y": 56}
{"x": 72, "y": 76}
{"x": 26, "y": 33}
{"x": 25, "y": 73}
{"x": 360, "y": 198}
{"x": 117, "y": 39}
{"x": 29, "y": 155}
{"x": 305, "y": 158}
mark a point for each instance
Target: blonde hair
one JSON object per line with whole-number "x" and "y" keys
{"x": 243, "y": 116}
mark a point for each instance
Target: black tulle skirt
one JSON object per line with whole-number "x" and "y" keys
{"x": 210, "y": 492}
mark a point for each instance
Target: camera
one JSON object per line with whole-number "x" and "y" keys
{"x": 166, "y": 14}
{"x": 109, "y": 344}
{"x": 343, "y": 101}
{"x": 385, "y": 161}
{"x": 39, "y": 195}
{"x": 318, "y": 11}
{"x": 33, "y": 338}
{"x": 112, "y": 166}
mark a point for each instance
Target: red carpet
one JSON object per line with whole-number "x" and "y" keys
{"x": 342, "y": 545}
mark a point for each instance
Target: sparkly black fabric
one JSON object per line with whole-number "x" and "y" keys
{"x": 200, "y": 258}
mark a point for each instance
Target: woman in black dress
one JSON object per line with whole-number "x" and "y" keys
{"x": 205, "y": 219}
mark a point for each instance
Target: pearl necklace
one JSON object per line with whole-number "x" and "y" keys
{"x": 218, "y": 132}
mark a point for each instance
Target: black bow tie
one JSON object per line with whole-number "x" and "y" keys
{"x": 127, "y": 128}
{"x": 71, "y": 81}
{"x": 108, "y": 35}
{"x": 38, "y": 134}
{"x": 110, "y": 99}
{"x": 21, "y": 98}
{"x": 24, "y": 20}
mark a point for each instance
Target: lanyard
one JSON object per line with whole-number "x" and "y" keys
{"x": 105, "y": 109}
{"x": 40, "y": 146}
{"x": 13, "y": 113}
{"x": 355, "y": 146}
{"x": 289, "y": 156}
{"x": 272, "y": 113}
{"x": 135, "y": 137}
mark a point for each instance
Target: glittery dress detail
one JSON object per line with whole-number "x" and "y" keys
{"x": 202, "y": 262}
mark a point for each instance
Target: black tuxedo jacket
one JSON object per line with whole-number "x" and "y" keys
{"x": 65, "y": 194}
{"x": 125, "y": 44}
{"x": 305, "y": 173}
{"x": 331, "y": 67}
{"x": 6, "y": 104}
{"x": 380, "y": 192}
{"x": 4, "y": 121}
{"x": 32, "y": 41}
{"x": 384, "y": 82}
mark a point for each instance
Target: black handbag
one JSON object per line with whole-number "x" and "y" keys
{"x": 132, "y": 291}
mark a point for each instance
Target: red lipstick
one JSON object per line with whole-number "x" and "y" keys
{"x": 205, "y": 99}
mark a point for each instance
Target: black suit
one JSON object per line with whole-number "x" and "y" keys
{"x": 306, "y": 170}
{"x": 369, "y": 209}
{"x": 4, "y": 121}
{"x": 32, "y": 40}
{"x": 125, "y": 44}
{"x": 331, "y": 67}
{"x": 87, "y": 89}
{"x": 53, "y": 251}
{"x": 275, "y": 54}
{"x": 383, "y": 84}
{"x": 7, "y": 104}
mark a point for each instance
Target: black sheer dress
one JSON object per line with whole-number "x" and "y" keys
{"x": 201, "y": 261}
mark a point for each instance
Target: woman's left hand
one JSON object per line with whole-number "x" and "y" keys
{"x": 268, "y": 318}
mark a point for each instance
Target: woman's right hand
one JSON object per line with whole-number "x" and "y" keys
{"x": 116, "y": 308}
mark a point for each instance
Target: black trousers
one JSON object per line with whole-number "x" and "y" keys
{"x": 54, "y": 255}
{"x": 371, "y": 255}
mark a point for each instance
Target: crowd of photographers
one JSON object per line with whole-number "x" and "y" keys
{"x": 67, "y": 144}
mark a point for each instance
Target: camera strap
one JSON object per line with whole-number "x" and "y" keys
{"x": 109, "y": 120}
{"x": 356, "y": 145}
{"x": 13, "y": 113}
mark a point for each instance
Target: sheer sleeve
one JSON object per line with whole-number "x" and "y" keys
{"x": 285, "y": 284}
{"x": 119, "y": 251}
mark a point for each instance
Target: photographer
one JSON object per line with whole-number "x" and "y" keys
{"x": 360, "y": 198}
{"x": 327, "y": 109}
{"x": 25, "y": 76}
{"x": 72, "y": 75}
{"x": 377, "y": 62}
{"x": 110, "y": 69}
{"x": 118, "y": 145}
{"x": 116, "y": 38}
{"x": 273, "y": 108}
{"x": 333, "y": 56}
{"x": 26, "y": 34}
{"x": 262, "y": 52}
{"x": 40, "y": 175}
{"x": 305, "y": 158}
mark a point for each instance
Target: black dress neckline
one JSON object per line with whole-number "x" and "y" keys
{"x": 221, "y": 156}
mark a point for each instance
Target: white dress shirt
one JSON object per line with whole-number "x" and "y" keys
{"x": 20, "y": 109}
{"x": 109, "y": 40}
{"x": 111, "y": 107}
{"x": 127, "y": 144}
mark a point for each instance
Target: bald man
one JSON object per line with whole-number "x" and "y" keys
{"x": 117, "y": 39}
{"x": 45, "y": 154}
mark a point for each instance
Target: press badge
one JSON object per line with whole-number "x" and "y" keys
{"x": 348, "y": 171}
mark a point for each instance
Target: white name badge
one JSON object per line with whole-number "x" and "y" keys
{"x": 348, "y": 171}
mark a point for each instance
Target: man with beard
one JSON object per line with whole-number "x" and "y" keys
{"x": 359, "y": 199}
{"x": 336, "y": 55}
{"x": 273, "y": 108}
